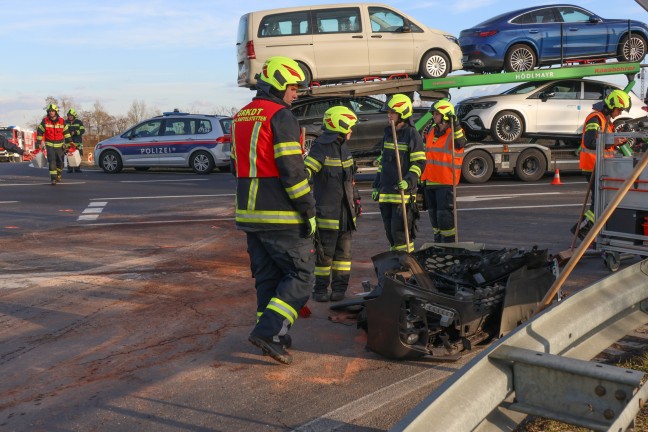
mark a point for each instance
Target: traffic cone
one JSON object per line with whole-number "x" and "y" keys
{"x": 556, "y": 179}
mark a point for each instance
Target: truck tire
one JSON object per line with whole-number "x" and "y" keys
{"x": 531, "y": 165}
{"x": 507, "y": 127}
{"x": 477, "y": 166}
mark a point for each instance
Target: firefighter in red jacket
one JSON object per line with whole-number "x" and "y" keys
{"x": 442, "y": 172}
{"x": 386, "y": 185}
{"x": 599, "y": 120}
{"x": 274, "y": 204}
{"x": 55, "y": 131}
{"x": 331, "y": 167}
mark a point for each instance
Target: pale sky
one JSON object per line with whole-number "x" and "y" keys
{"x": 173, "y": 54}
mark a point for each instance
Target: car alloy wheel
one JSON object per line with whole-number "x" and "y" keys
{"x": 435, "y": 64}
{"x": 201, "y": 162}
{"x": 111, "y": 162}
{"x": 507, "y": 127}
{"x": 520, "y": 58}
{"x": 633, "y": 49}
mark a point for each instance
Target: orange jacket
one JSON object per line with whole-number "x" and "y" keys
{"x": 587, "y": 160}
{"x": 439, "y": 166}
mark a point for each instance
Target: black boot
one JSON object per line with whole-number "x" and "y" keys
{"x": 320, "y": 296}
{"x": 69, "y": 170}
{"x": 337, "y": 296}
{"x": 271, "y": 348}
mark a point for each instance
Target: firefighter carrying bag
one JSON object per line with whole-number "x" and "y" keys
{"x": 40, "y": 161}
{"x": 74, "y": 159}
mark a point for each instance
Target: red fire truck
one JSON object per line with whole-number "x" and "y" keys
{"x": 22, "y": 138}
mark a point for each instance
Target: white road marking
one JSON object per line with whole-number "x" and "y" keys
{"x": 159, "y": 181}
{"x": 163, "y": 197}
{"x": 498, "y": 197}
{"x": 8, "y": 202}
{"x": 93, "y": 211}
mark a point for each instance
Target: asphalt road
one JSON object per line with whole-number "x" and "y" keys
{"x": 126, "y": 300}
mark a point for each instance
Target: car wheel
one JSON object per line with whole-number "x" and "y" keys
{"x": 111, "y": 162}
{"x": 477, "y": 167}
{"x": 475, "y": 136}
{"x": 141, "y": 168}
{"x": 507, "y": 127}
{"x": 307, "y": 73}
{"x": 620, "y": 125}
{"x": 531, "y": 165}
{"x": 633, "y": 49}
{"x": 519, "y": 58}
{"x": 434, "y": 64}
{"x": 308, "y": 143}
{"x": 201, "y": 162}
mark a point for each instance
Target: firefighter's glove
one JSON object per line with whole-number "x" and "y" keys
{"x": 402, "y": 185}
{"x": 375, "y": 194}
{"x": 312, "y": 227}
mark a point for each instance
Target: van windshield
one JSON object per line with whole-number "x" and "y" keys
{"x": 241, "y": 36}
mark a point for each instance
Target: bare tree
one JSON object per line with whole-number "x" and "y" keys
{"x": 138, "y": 111}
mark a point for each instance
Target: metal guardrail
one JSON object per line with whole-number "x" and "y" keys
{"x": 541, "y": 367}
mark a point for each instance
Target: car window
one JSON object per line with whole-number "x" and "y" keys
{"x": 226, "y": 125}
{"x": 524, "y": 88}
{"x": 565, "y": 90}
{"x": 150, "y": 128}
{"x": 318, "y": 108}
{"x": 539, "y": 16}
{"x": 345, "y": 20}
{"x": 364, "y": 105}
{"x": 385, "y": 20}
{"x": 204, "y": 126}
{"x": 285, "y": 24}
{"x": 177, "y": 127}
{"x": 594, "y": 91}
{"x": 570, "y": 15}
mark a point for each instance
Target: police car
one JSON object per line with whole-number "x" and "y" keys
{"x": 174, "y": 139}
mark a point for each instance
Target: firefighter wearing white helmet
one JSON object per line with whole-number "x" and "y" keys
{"x": 386, "y": 186}
{"x": 57, "y": 136}
{"x": 444, "y": 154}
{"x": 331, "y": 167}
{"x": 274, "y": 204}
{"x": 599, "y": 121}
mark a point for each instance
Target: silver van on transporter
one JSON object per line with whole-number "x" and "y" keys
{"x": 344, "y": 41}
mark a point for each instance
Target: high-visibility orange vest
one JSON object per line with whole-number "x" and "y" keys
{"x": 439, "y": 166}
{"x": 587, "y": 158}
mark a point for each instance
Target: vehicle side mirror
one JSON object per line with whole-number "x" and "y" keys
{"x": 544, "y": 96}
{"x": 595, "y": 19}
{"x": 407, "y": 28}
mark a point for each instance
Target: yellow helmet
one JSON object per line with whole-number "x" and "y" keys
{"x": 339, "y": 119}
{"x": 445, "y": 108}
{"x": 72, "y": 112}
{"x": 52, "y": 107}
{"x": 401, "y": 104}
{"x": 281, "y": 71}
{"x": 618, "y": 99}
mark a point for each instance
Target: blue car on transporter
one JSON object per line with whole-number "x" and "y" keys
{"x": 541, "y": 35}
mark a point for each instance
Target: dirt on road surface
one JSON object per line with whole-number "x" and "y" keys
{"x": 145, "y": 328}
